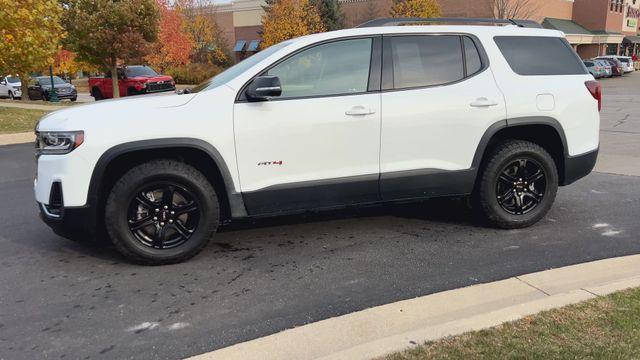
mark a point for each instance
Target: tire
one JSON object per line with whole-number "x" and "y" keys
{"x": 11, "y": 97}
{"x": 97, "y": 94}
{"x": 155, "y": 243}
{"x": 73, "y": 99}
{"x": 505, "y": 176}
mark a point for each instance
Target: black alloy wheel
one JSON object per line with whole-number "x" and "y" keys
{"x": 521, "y": 186}
{"x": 163, "y": 215}
{"x": 517, "y": 185}
{"x": 161, "y": 212}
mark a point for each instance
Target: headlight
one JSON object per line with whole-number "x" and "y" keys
{"x": 58, "y": 142}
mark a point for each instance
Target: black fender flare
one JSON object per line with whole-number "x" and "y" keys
{"x": 236, "y": 202}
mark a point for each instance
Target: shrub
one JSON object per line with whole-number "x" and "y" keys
{"x": 193, "y": 73}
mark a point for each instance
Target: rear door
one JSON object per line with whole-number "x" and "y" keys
{"x": 439, "y": 97}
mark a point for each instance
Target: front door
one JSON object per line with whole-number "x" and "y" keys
{"x": 317, "y": 145}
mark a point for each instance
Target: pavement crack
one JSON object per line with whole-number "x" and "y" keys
{"x": 535, "y": 287}
{"x": 592, "y": 293}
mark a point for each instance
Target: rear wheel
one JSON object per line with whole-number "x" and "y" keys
{"x": 161, "y": 212}
{"x": 517, "y": 185}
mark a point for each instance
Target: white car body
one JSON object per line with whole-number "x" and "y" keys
{"x": 378, "y": 140}
{"x": 9, "y": 89}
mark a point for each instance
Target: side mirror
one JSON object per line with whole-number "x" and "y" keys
{"x": 263, "y": 87}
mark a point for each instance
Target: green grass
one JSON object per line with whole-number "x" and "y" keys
{"x": 603, "y": 328}
{"x": 15, "y": 120}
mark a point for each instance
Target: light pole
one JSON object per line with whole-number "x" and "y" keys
{"x": 53, "y": 95}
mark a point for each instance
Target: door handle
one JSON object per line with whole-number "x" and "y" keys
{"x": 359, "y": 111}
{"x": 483, "y": 102}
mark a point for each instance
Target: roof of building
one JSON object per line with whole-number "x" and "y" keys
{"x": 566, "y": 26}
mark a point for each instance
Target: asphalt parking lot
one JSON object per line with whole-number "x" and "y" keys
{"x": 60, "y": 299}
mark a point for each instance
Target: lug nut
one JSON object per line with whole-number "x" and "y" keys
{"x": 161, "y": 224}
{"x": 173, "y": 212}
{"x": 170, "y": 221}
{"x": 157, "y": 210}
{"x": 166, "y": 207}
{"x": 155, "y": 218}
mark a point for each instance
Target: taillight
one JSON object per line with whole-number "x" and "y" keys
{"x": 595, "y": 89}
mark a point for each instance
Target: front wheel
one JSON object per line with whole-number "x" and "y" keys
{"x": 161, "y": 212}
{"x": 517, "y": 185}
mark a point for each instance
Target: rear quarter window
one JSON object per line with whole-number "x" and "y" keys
{"x": 533, "y": 55}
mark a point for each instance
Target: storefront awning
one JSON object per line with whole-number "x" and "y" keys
{"x": 239, "y": 46}
{"x": 577, "y": 34}
{"x": 631, "y": 40}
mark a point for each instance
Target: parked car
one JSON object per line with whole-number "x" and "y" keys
{"x": 132, "y": 80}
{"x": 594, "y": 68}
{"x": 625, "y": 61}
{"x": 10, "y": 87}
{"x": 374, "y": 114}
{"x": 606, "y": 66}
{"x": 40, "y": 89}
{"x": 616, "y": 66}
{"x": 623, "y": 68}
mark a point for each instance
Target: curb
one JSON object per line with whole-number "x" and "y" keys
{"x": 393, "y": 327}
{"x": 17, "y": 138}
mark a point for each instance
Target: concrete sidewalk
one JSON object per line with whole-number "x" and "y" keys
{"x": 32, "y": 106}
{"x": 393, "y": 327}
{"x": 17, "y": 138}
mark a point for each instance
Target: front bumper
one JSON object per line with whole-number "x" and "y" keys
{"x": 579, "y": 166}
{"x": 75, "y": 223}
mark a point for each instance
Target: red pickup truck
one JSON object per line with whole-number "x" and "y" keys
{"x": 132, "y": 80}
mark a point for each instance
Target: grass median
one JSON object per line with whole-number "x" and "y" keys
{"x": 603, "y": 328}
{"x": 16, "y": 120}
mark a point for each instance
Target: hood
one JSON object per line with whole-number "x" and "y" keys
{"x": 58, "y": 86}
{"x": 114, "y": 112}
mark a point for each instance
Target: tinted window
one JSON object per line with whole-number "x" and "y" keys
{"x": 588, "y": 63}
{"x": 142, "y": 71}
{"x": 474, "y": 64}
{"x": 529, "y": 55}
{"x": 336, "y": 68}
{"x": 426, "y": 60}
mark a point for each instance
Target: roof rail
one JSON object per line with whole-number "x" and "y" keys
{"x": 405, "y": 21}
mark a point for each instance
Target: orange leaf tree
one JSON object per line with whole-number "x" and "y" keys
{"x": 286, "y": 19}
{"x": 174, "y": 44}
{"x": 30, "y": 34}
{"x": 415, "y": 8}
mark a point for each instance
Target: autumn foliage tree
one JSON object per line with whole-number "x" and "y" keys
{"x": 103, "y": 32}
{"x": 415, "y": 8}
{"x": 210, "y": 44}
{"x": 286, "y": 19}
{"x": 30, "y": 34}
{"x": 174, "y": 44}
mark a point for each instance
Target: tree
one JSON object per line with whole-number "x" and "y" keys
{"x": 30, "y": 33}
{"x": 330, "y": 14}
{"x": 103, "y": 32}
{"x": 415, "y": 8}
{"x": 210, "y": 42}
{"x": 174, "y": 44}
{"x": 287, "y": 19}
{"x": 514, "y": 9}
{"x": 370, "y": 12}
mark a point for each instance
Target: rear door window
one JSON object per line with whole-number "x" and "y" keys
{"x": 420, "y": 61}
{"x": 531, "y": 55}
{"x": 472, "y": 56}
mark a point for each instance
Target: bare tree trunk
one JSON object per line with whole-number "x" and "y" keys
{"x": 114, "y": 80}
{"x": 514, "y": 9}
{"x": 24, "y": 86}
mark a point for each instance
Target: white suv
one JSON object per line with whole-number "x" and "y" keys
{"x": 359, "y": 116}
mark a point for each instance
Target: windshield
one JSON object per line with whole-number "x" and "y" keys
{"x": 143, "y": 71}
{"x": 13, "y": 79}
{"x": 237, "y": 69}
{"x": 45, "y": 80}
{"x": 624, "y": 60}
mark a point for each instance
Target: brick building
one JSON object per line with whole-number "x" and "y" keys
{"x": 593, "y": 27}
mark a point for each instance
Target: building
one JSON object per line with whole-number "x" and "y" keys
{"x": 593, "y": 27}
